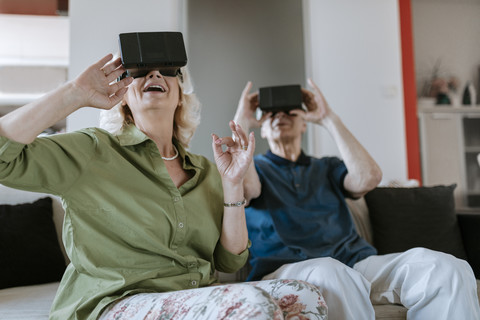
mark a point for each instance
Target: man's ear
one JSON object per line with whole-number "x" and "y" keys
{"x": 304, "y": 127}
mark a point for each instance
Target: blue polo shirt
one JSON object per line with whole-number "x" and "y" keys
{"x": 301, "y": 214}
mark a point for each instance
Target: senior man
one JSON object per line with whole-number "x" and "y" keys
{"x": 301, "y": 228}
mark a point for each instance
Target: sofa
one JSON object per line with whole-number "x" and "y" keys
{"x": 25, "y": 301}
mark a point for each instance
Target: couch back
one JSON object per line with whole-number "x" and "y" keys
{"x": 358, "y": 208}
{"x": 14, "y": 196}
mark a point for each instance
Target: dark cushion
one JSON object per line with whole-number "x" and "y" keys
{"x": 405, "y": 218}
{"x": 29, "y": 249}
{"x": 469, "y": 223}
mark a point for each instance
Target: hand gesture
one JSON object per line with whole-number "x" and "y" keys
{"x": 233, "y": 163}
{"x": 247, "y": 107}
{"x": 317, "y": 106}
{"x": 97, "y": 86}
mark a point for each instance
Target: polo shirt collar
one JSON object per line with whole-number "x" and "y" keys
{"x": 131, "y": 136}
{"x": 302, "y": 160}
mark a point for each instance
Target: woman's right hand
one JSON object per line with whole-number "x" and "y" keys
{"x": 96, "y": 86}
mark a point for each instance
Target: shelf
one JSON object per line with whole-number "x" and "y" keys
{"x": 474, "y": 149}
{"x": 33, "y": 62}
{"x": 473, "y": 200}
{"x": 427, "y": 108}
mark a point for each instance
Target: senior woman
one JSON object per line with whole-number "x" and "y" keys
{"x": 146, "y": 222}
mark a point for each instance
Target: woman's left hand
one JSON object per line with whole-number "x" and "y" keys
{"x": 235, "y": 160}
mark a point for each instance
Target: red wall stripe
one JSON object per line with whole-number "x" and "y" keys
{"x": 409, "y": 92}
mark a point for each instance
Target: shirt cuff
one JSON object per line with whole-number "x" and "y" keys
{"x": 9, "y": 149}
{"x": 228, "y": 262}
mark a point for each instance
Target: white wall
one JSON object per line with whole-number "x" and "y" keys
{"x": 28, "y": 39}
{"x": 231, "y": 42}
{"x": 448, "y": 33}
{"x": 353, "y": 53}
{"x": 95, "y": 26}
{"x": 32, "y": 47}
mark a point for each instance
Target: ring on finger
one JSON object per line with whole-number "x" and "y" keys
{"x": 104, "y": 72}
{"x": 244, "y": 147}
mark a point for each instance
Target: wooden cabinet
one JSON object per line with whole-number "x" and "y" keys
{"x": 450, "y": 144}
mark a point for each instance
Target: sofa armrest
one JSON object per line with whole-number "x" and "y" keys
{"x": 469, "y": 223}
{"x": 360, "y": 214}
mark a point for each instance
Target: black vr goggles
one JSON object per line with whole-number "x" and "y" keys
{"x": 280, "y": 98}
{"x": 142, "y": 52}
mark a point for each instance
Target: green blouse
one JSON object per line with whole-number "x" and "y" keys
{"x": 127, "y": 227}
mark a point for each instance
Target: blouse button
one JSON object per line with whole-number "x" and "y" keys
{"x": 193, "y": 283}
{"x": 180, "y": 225}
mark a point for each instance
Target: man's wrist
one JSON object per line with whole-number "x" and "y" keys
{"x": 329, "y": 120}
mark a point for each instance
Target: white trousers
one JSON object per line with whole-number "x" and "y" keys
{"x": 430, "y": 284}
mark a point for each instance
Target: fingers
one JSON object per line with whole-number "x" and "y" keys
{"x": 313, "y": 84}
{"x": 250, "y": 98}
{"x": 251, "y": 143}
{"x": 113, "y": 70}
{"x": 216, "y": 145}
{"x": 247, "y": 89}
{"x": 119, "y": 89}
{"x": 117, "y": 96}
{"x": 239, "y": 135}
{"x": 100, "y": 63}
{"x": 316, "y": 89}
{"x": 253, "y": 100}
{"x": 308, "y": 99}
{"x": 115, "y": 73}
{"x": 240, "y": 140}
{"x": 115, "y": 87}
{"x": 265, "y": 116}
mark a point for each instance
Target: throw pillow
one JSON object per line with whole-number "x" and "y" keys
{"x": 405, "y": 218}
{"x": 29, "y": 249}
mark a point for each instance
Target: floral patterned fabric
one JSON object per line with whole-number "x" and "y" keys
{"x": 270, "y": 299}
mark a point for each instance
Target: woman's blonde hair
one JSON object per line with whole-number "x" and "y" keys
{"x": 185, "y": 121}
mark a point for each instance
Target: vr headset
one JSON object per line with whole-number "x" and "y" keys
{"x": 280, "y": 98}
{"x": 142, "y": 52}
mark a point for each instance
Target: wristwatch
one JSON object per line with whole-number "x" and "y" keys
{"x": 235, "y": 204}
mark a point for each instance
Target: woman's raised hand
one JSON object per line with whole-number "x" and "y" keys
{"x": 97, "y": 86}
{"x": 237, "y": 157}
